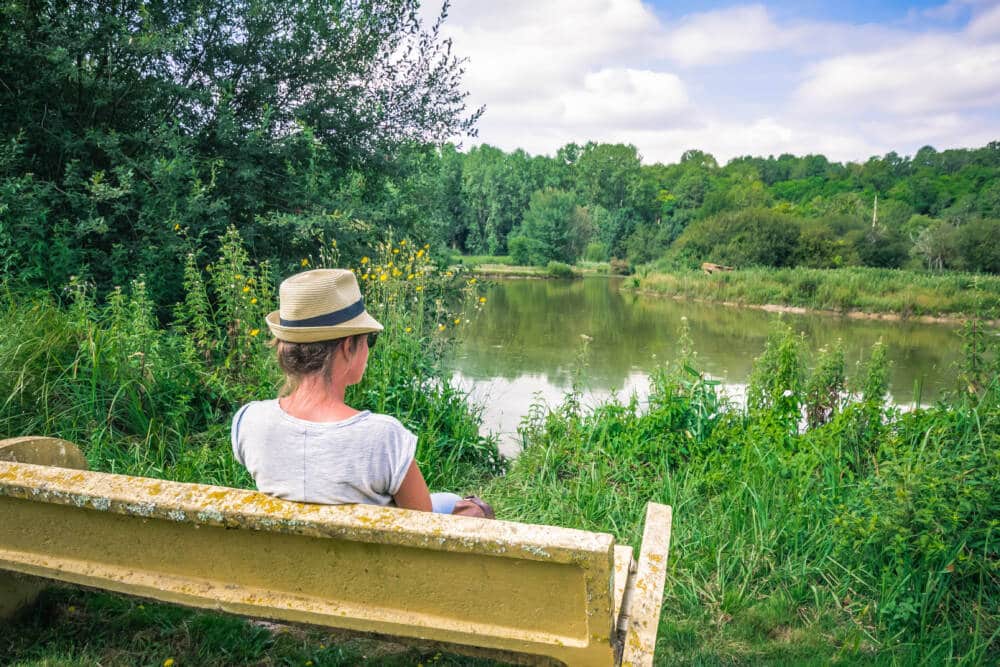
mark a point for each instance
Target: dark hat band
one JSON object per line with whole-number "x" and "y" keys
{"x": 330, "y": 319}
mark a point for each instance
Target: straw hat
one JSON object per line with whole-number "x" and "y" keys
{"x": 323, "y": 304}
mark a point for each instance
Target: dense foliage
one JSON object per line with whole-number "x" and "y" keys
{"x": 818, "y": 524}
{"x": 129, "y": 129}
{"x": 157, "y": 401}
{"x": 936, "y": 210}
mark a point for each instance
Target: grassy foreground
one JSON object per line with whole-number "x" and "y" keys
{"x": 867, "y": 290}
{"x": 816, "y": 525}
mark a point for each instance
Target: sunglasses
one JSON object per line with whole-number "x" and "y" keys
{"x": 372, "y": 339}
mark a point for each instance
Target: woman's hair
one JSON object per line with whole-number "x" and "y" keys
{"x": 298, "y": 360}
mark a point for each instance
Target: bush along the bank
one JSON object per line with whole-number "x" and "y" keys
{"x": 155, "y": 401}
{"x": 818, "y": 523}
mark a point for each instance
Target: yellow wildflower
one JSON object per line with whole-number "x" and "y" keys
{"x": 396, "y": 273}
{"x": 304, "y": 262}
{"x": 334, "y": 243}
{"x": 253, "y": 300}
{"x": 420, "y": 288}
{"x": 482, "y": 299}
{"x": 364, "y": 260}
{"x": 384, "y": 277}
{"x": 426, "y": 246}
{"x": 420, "y": 253}
{"x": 364, "y": 277}
{"x": 458, "y": 320}
{"x": 403, "y": 242}
{"x": 448, "y": 274}
{"x": 169, "y": 662}
{"x": 440, "y": 327}
{"x": 409, "y": 277}
{"x": 239, "y": 276}
{"x": 408, "y": 329}
{"x": 177, "y": 227}
{"x": 254, "y": 332}
{"x": 395, "y": 251}
{"x": 472, "y": 281}
{"x": 246, "y": 288}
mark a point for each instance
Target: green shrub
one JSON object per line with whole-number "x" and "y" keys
{"x": 560, "y": 270}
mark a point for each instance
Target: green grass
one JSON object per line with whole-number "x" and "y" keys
{"x": 869, "y": 537}
{"x": 907, "y": 293}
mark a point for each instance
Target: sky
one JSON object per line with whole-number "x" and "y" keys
{"x": 847, "y": 79}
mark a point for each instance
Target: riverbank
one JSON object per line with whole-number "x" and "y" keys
{"x": 500, "y": 266}
{"x": 868, "y": 537}
{"x": 857, "y": 292}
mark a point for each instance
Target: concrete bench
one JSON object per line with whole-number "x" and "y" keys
{"x": 516, "y": 592}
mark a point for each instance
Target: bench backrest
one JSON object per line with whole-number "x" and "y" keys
{"x": 537, "y": 590}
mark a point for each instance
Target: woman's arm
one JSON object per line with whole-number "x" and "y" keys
{"x": 413, "y": 493}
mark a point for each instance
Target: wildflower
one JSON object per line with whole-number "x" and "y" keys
{"x": 177, "y": 227}
{"x": 384, "y": 277}
{"x": 246, "y": 288}
{"x": 458, "y": 321}
{"x": 408, "y": 329}
{"x": 169, "y": 662}
{"x": 420, "y": 253}
{"x": 239, "y": 276}
{"x": 71, "y": 609}
{"x": 364, "y": 277}
{"x": 395, "y": 251}
{"x": 304, "y": 262}
{"x": 396, "y": 273}
{"x": 420, "y": 288}
{"x": 482, "y": 299}
{"x": 448, "y": 274}
{"x": 364, "y": 260}
{"x": 334, "y": 243}
{"x": 254, "y": 332}
{"x": 440, "y": 327}
{"x": 426, "y": 246}
{"x": 472, "y": 281}
{"x": 403, "y": 242}
{"x": 409, "y": 277}
{"x": 253, "y": 300}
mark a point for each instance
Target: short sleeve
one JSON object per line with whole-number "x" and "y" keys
{"x": 235, "y": 434}
{"x": 402, "y": 449}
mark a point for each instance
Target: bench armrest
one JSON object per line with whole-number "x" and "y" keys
{"x": 640, "y": 617}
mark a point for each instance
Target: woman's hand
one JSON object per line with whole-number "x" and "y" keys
{"x": 413, "y": 493}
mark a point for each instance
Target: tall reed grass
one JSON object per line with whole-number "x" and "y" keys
{"x": 817, "y": 525}
{"x": 908, "y": 293}
{"x": 151, "y": 400}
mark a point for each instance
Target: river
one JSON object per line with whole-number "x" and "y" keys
{"x": 527, "y": 340}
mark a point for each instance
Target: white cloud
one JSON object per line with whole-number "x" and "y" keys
{"x": 935, "y": 73}
{"x": 733, "y": 81}
{"x": 717, "y": 36}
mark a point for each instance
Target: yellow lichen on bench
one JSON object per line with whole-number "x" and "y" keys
{"x": 532, "y": 590}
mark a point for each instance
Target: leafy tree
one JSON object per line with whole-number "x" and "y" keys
{"x": 555, "y": 228}
{"x": 145, "y": 122}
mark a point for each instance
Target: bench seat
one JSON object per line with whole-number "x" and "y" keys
{"x": 519, "y": 592}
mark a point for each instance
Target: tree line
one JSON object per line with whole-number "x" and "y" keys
{"x": 135, "y": 134}
{"x": 937, "y": 209}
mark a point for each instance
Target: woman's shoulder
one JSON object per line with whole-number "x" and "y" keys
{"x": 256, "y": 407}
{"x": 381, "y": 421}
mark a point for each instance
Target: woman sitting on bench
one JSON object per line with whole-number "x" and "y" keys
{"x": 308, "y": 445}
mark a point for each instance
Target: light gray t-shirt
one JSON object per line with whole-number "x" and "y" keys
{"x": 362, "y": 459}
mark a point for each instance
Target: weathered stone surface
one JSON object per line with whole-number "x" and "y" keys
{"x": 514, "y": 588}
{"x": 16, "y": 591}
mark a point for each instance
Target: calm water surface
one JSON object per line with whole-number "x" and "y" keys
{"x": 526, "y": 342}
